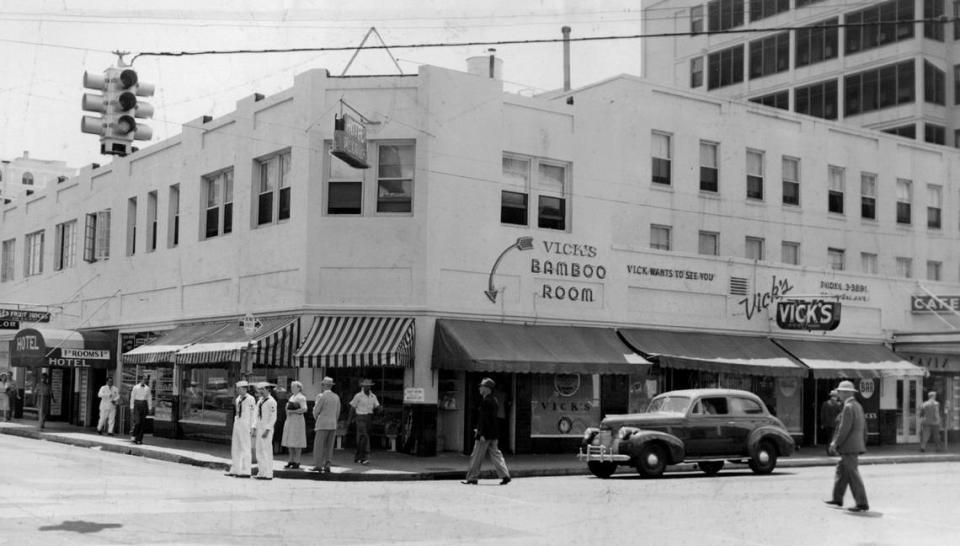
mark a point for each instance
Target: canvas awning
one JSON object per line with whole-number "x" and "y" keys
{"x": 163, "y": 349}
{"x": 230, "y": 343}
{"x": 834, "y": 359}
{"x": 750, "y": 355}
{"x": 347, "y": 342}
{"x": 46, "y": 347}
{"x": 518, "y": 348}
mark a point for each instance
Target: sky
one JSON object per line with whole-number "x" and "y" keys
{"x": 46, "y": 46}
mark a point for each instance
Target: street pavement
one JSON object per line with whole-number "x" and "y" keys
{"x": 54, "y": 493}
{"x": 394, "y": 466}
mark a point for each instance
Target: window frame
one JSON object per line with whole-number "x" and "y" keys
{"x": 272, "y": 186}
{"x": 934, "y": 207}
{"x": 534, "y": 185}
{"x": 655, "y": 242}
{"x": 755, "y": 174}
{"x": 794, "y": 249}
{"x": 904, "y": 212}
{"x": 836, "y": 190}
{"x": 658, "y": 163}
{"x": 868, "y": 199}
{"x": 934, "y": 270}
{"x": 381, "y": 202}
{"x": 8, "y": 260}
{"x": 223, "y": 181}
{"x": 790, "y": 182}
{"x": 904, "y": 267}
{"x": 702, "y": 237}
{"x": 33, "y": 253}
{"x": 756, "y": 243}
{"x": 65, "y": 245}
{"x": 836, "y": 259}
{"x": 705, "y": 182}
{"x": 869, "y": 263}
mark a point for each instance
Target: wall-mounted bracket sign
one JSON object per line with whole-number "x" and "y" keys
{"x": 350, "y": 141}
{"x": 808, "y": 314}
{"x": 24, "y": 316}
{"x": 9, "y": 324}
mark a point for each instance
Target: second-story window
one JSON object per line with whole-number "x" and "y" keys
{"x": 754, "y": 248}
{"x": 868, "y": 196}
{"x": 835, "y": 193}
{"x": 131, "y": 226}
{"x": 96, "y": 236}
{"x": 659, "y": 237}
{"x": 173, "y": 217}
{"x": 791, "y": 181}
{"x": 65, "y": 245}
{"x": 7, "y": 258}
{"x": 395, "y": 168}
{"x": 836, "y": 259}
{"x": 273, "y": 193}
{"x": 708, "y": 243}
{"x": 904, "y": 267}
{"x": 661, "y": 158}
{"x": 33, "y": 260}
{"x": 904, "y": 201}
{"x": 754, "y": 174}
{"x": 218, "y": 204}
{"x": 151, "y": 221}
{"x": 934, "y": 205}
{"x": 696, "y": 19}
{"x": 709, "y": 167}
{"x": 790, "y": 253}
{"x": 542, "y": 180}
{"x": 869, "y": 263}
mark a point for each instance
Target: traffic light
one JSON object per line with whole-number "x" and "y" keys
{"x": 120, "y": 107}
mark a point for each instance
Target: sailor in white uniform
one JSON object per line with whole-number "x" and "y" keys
{"x": 266, "y": 421}
{"x": 243, "y": 420}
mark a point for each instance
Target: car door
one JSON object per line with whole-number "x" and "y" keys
{"x": 744, "y": 416}
{"x": 705, "y": 424}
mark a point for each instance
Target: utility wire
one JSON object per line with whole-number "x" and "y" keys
{"x": 939, "y": 20}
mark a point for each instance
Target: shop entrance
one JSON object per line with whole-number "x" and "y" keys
{"x": 908, "y": 395}
{"x": 504, "y": 394}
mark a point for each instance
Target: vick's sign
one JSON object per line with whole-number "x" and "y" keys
{"x": 808, "y": 314}
{"x": 350, "y": 141}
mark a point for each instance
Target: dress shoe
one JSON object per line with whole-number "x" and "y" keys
{"x": 100, "y": 432}
{"x": 859, "y": 508}
{"x": 242, "y": 476}
{"x": 263, "y": 478}
{"x": 317, "y": 469}
{"x": 469, "y": 482}
{"x": 833, "y": 502}
{"x": 326, "y": 468}
{"x": 506, "y": 480}
{"x": 229, "y": 474}
{"x": 288, "y": 465}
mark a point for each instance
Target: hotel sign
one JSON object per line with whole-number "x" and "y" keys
{"x": 929, "y": 304}
{"x": 808, "y": 314}
{"x": 350, "y": 141}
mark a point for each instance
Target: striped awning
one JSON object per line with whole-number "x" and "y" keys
{"x": 275, "y": 337}
{"x": 163, "y": 349}
{"x": 348, "y": 342}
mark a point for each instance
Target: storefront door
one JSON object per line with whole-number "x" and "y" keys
{"x": 908, "y": 394}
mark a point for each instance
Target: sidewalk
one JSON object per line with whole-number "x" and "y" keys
{"x": 392, "y": 466}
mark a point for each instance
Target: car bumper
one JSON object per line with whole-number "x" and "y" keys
{"x": 601, "y": 454}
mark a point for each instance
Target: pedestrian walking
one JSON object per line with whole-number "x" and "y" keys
{"x": 294, "y": 428}
{"x": 487, "y": 437}
{"x": 930, "y": 422}
{"x": 141, "y": 403}
{"x": 362, "y": 406}
{"x": 42, "y": 393}
{"x": 266, "y": 421}
{"x": 829, "y": 411}
{"x": 326, "y": 412}
{"x": 109, "y": 398}
{"x": 244, "y": 407}
{"x": 849, "y": 441}
{"x": 5, "y": 406}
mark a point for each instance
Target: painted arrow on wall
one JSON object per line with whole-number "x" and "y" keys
{"x": 523, "y": 243}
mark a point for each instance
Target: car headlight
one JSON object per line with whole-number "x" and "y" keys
{"x": 589, "y": 434}
{"x": 625, "y": 433}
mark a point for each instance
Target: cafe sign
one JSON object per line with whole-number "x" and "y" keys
{"x": 350, "y": 141}
{"x": 934, "y": 304}
{"x": 808, "y": 314}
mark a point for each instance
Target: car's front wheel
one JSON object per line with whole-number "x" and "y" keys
{"x": 765, "y": 459}
{"x": 652, "y": 461}
{"x": 710, "y": 467}
{"x": 602, "y": 469}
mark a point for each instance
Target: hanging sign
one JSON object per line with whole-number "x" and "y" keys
{"x": 350, "y": 141}
{"x": 808, "y": 314}
{"x": 250, "y": 324}
{"x": 25, "y": 316}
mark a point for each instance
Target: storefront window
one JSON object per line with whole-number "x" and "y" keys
{"x": 563, "y": 405}
{"x": 207, "y": 396}
{"x": 160, "y": 381}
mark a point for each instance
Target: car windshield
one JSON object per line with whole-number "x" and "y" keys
{"x": 669, "y": 404}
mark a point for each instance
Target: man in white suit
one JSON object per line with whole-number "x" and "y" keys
{"x": 243, "y": 420}
{"x": 266, "y": 421}
{"x": 109, "y": 398}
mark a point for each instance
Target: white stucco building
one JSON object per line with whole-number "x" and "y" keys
{"x": 586, "y": 251}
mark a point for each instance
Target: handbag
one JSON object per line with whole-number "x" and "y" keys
{"x": 291, "y": 405}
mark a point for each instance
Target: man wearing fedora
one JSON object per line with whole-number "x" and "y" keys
{"x": 243, "y": 420}
{"x": 487, "y": 437}
{"x": 362, "y": 406}
{"x": 849, "y": 441}
{"x": 326, "y": 412}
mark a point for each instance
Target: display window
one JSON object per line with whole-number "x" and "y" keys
{"x": 563, "y": 405}
{"x": 160, "y": 381}
{"x": 206, "y": 396}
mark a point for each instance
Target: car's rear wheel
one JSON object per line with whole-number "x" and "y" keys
{"x": 652, "y": 461}
{"x": 710, "y": 467}
{"x": 602, "y": 469}
{"x": 765, "y": 459}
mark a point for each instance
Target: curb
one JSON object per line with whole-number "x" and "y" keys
{"x": 386, "y": 475}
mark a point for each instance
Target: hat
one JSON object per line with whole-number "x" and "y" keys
{"x": 242, "y": 383}
{"x": 366, "y": 383}
{"x": 488, "y": 383}
{"x": 846, "y": 386}
{"x": 833, "y": 392}
{"x": 327, "y": 381}
{"x": 263, "y": 385}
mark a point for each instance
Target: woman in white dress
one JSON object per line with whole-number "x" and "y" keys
{"x": 294, "y": 429}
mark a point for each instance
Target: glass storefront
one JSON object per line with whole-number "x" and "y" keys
{"x": 206, "y": 396}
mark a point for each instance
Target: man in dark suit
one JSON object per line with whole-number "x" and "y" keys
{"x": 849, "y": 441}
{"x": 487, "y": 437}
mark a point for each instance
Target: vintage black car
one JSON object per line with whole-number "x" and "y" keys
{"x": 705, "y": 426}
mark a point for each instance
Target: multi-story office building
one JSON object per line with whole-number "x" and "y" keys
{"x": 586, "y": 251}
{"x": 875, "y": 64}
{"x": 22, "y": 176}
